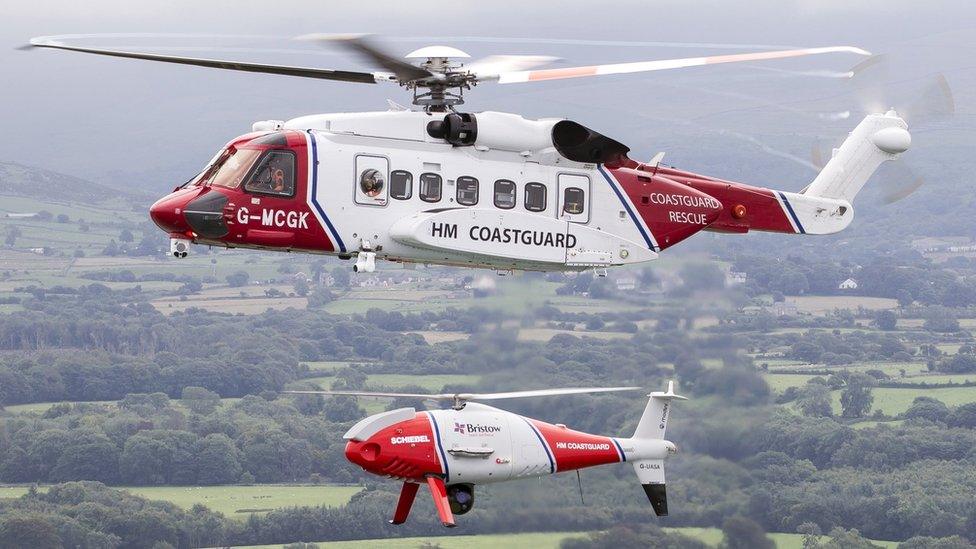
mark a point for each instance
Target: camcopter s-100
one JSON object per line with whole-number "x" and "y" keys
{"x": 436, "y": 185}
{"x": 454, "y": 449}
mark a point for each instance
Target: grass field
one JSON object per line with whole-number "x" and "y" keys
{"x": 551, "y": 540}
{"x": 431, "y": 382}
{"x": 819, "y": 305}
{"x": 234, "y": 501}
{"x": 896, "y": 401}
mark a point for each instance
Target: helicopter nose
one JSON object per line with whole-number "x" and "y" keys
{"x": 168, "y": 212}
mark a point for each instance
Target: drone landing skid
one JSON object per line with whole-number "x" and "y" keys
{"x": 407, "y": 495}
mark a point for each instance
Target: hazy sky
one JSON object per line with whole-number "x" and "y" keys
{"x": 101, "y": 117}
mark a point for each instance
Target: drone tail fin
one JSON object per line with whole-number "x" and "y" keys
{"x": 651, "y": 448}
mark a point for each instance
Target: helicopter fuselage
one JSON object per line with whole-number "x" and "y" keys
{"x": 383, "y": 185}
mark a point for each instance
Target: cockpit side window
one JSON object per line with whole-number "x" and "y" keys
{"x": 274, "y": 174}
{"x": 231, "y": 170}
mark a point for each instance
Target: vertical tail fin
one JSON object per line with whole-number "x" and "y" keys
{"x": 652, "y": 426}
{"x": 879, "y": 137}
{"x": 654, "y": 422}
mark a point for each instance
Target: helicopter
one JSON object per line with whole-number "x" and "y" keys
{"x": 436, "y": 185}
{"x": 454, "y": 449}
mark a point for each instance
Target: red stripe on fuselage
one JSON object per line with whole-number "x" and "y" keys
{"x": 763, "y": 210}
{"x": 574, "y": 449}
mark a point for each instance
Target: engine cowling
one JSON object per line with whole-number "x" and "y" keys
{"x": 511, "y": 132}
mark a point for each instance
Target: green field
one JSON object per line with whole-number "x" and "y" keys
{"x": 895, "y": 401}
{"x": 431, "y": 382}
{"x": 551, "y": 540}
{"x": 235, "y": 501}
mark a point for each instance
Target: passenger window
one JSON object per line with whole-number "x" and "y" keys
{"x": 430, "y": 187}
{"x": 274, "y": 174}
{"x": 535, "y": 197}
{"x": 504, "y": 194}
{"x": 573, "y": 198}
{"x": 401, "y": 185}
{"x": 467, "y": 191}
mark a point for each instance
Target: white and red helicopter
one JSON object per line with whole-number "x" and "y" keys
{"x": 454, "y": 449}
{"x": 488, "y": 189}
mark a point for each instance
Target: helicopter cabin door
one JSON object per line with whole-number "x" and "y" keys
{"x": 574, "y": 198}
{"x": 372, "y": 176}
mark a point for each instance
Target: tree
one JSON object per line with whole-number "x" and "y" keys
{"x": 217, "y": 460}
{"x": 111, "y": 249}
{"x": 702, "y": 276}
{"x": 963, "y": 416}
{"x": 856, "y": 398}
{"x": 19, "y": 530}
{"x": 237, "y": 279}
{"x": 126, "y": 236}
{"x": 301, "y": 287}
{"x": 886, "y": 320}
{"x": 927, "y": 408}
{"x": 814, "y": 400}
{"x": 743, "y": 533}
{"x": 200, "y": 400}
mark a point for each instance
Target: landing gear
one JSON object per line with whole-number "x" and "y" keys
{"x": 365, "y": 262}
{"x": 179, "y": 247}
{"x": 366, "y": 258}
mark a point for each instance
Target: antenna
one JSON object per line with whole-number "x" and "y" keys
{"x": 579, "y": 480}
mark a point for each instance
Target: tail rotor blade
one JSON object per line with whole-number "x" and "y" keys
{"x": 900, "y": 183}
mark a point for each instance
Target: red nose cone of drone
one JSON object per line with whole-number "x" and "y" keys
{"x": 167, "y": 212}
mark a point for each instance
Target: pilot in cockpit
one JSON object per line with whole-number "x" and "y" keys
{"x": 275, "y": 176}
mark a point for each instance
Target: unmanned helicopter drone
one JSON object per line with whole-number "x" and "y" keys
{"x": 494, "y": 190}
{"x": 452, "y": 450}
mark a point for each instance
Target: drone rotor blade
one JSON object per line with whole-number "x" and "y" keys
{"x": 304, "y": 72}
{"x": 405, "y": 72}
{"x": 665, "y": 64}
{"x": 373, "y": 394}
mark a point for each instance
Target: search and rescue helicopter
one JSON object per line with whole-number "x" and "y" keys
{"x": 454, "y": 449}
{"x": 489, "y": 189}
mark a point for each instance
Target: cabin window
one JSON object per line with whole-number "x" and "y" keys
{"x": 573, "y": 199}
{"x": 535, "y": 197}
{"x": 430, "y": 187}
{"x": 274, "y": 174}
{"x": 401, "y": 184}
{"x": 371, "y": 182}
{"x": 504, "y": 194}
{"x": 467, "y": 191}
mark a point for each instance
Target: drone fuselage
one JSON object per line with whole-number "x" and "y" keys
{"x": 379, "y": 185}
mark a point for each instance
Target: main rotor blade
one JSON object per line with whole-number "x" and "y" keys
{"x": 471, "y": 396}
{"x": 304, "y": 72}
{"x": 405, "y": 72}
{"x": 665, "y": 64}
{"x": 493, "y": 65}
